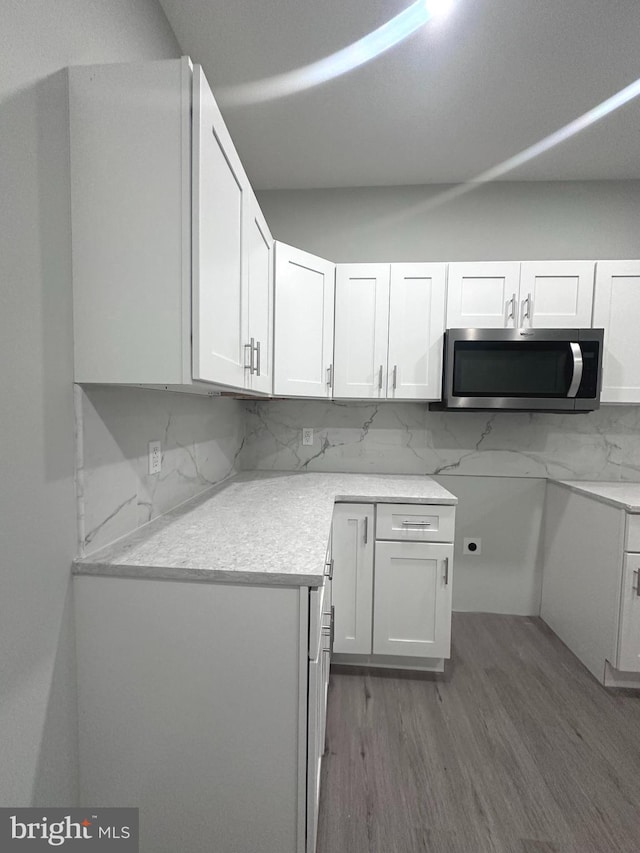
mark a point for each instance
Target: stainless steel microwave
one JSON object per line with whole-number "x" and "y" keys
{"x": 553, "y": 370}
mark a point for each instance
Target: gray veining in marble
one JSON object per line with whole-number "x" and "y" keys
{"x": 408, "y": 438}
{"x": 623, "y": 495}
{"x": 201, "y": 437}
{"x": 257, "y": 527}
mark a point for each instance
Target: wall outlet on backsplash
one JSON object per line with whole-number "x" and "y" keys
{"x": 307, "y": 436}
{"x": 155, "y": 457}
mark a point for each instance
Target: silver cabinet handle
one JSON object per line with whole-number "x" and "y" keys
{"x": 446, "y": 571}
{"x": 578, "y": 365}
{"x": 380, "y": 379}
{"x": 395, "y": 376}
{"x": 512, "y": 313}
{"x": 330, "y": 376}
{"x": 366, "y": 529}
{"x": 526, "y": 308}
{"x": 328, "y": 570}
{"x": 257, "y": 349}
{"x": 636, "y": 588}
{"x": 407, "y": 523}
{"x": 250, "y": 347}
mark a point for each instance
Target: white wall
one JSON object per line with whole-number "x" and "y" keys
{"x": 502, "y": 221}
{"x": 38, "y": 741}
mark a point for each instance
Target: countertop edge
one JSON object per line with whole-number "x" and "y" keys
{"x": 191, "y": 575}
{"x": 577, "y": 489}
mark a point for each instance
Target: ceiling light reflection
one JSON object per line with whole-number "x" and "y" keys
{"x": 574, "y": 127}
{"x": 364, "y": 50}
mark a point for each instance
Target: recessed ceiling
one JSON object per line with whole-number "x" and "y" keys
{"x": 459, "y": 96}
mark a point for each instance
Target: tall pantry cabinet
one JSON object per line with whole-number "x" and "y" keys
{"x": 171, "y": 255}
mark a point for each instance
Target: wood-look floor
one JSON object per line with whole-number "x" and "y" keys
{"x": 516, "y": 749}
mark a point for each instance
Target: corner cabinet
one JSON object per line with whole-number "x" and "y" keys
{"x": 389, "y": 324}
{"x": 537, "y": 294}
{"x": 168, "y": 242}
{"x": 304, "y": 296}
{"x": 392, "y": 581}
{"x": 616, "y": 309}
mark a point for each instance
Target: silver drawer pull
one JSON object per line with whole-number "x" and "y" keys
{"x": 366, "y": 529}
{"x": 417, "y": 523}
{"x": 446, "y": 571}
{"x": 636, "y": 588}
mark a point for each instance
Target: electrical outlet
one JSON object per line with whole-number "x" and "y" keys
{"x": 472, "y": 545}
{"x": 155, "y": 457}
{"x": 307, "y": 436}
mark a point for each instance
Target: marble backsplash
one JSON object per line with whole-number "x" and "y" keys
{"x": 202, "y": 439}
{"x": 408, "y": 438}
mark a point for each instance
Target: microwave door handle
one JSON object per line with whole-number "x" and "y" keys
{"x": 576, "y": 354}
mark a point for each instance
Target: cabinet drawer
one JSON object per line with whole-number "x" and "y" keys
{"x": 417, "y": 522}
{"x": 632, "y": 537}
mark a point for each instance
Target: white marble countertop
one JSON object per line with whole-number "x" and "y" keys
{"x": 623, "y": 495}
{"x": 258, "y": 527}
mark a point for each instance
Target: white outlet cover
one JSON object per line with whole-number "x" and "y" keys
{"x": 307, "y": 436}
{"x": 155, "y": 457}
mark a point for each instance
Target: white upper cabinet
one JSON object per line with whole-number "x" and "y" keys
{"x": 388, "y": 331}
{"x": 303, "y": 328}
{"x": 539, "y": 294}
{"x": 616, "y": 309}
{"x": 556, "y": 294}
{"x": 258, "y": 345}
{"x": 483, "y": 295}
{"x": 220, "y": 215}
{"x": 416, "y": 327}
{"x": 164, "y": 240}
{"x": 361, "y": 330}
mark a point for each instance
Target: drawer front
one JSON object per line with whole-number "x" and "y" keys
{"x": 632, "y": 538}
{"x": 415, "y": 522}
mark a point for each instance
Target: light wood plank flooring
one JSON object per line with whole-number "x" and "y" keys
{"x": 516, "y": 749}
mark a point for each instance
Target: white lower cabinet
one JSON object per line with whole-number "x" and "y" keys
{"x": 412, "y": 599}
{"x": 629, "y": 634}
{"x": 591, "y": 575}
{"x": 392, "y": 595}
{"x": 204, "y": 706}
{"x": 352, "y": 537}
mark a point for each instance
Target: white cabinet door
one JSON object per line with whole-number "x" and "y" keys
{"x": 303, "y": 336}
{"x": 616, "y": 309}
{"x": 259, "y": 346}
{"x": 352, "y": 587}
{"x": 483, "y": 295}
{"x": 361, "y": 330}
{"x": 314, "y": 752}
{"x": 556, "y": 294}
{"x": 416, "y": 327}
{"x": 629, "y": 633}
{"x": 220, "y": 194}
{"x": 412, "y": 599}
